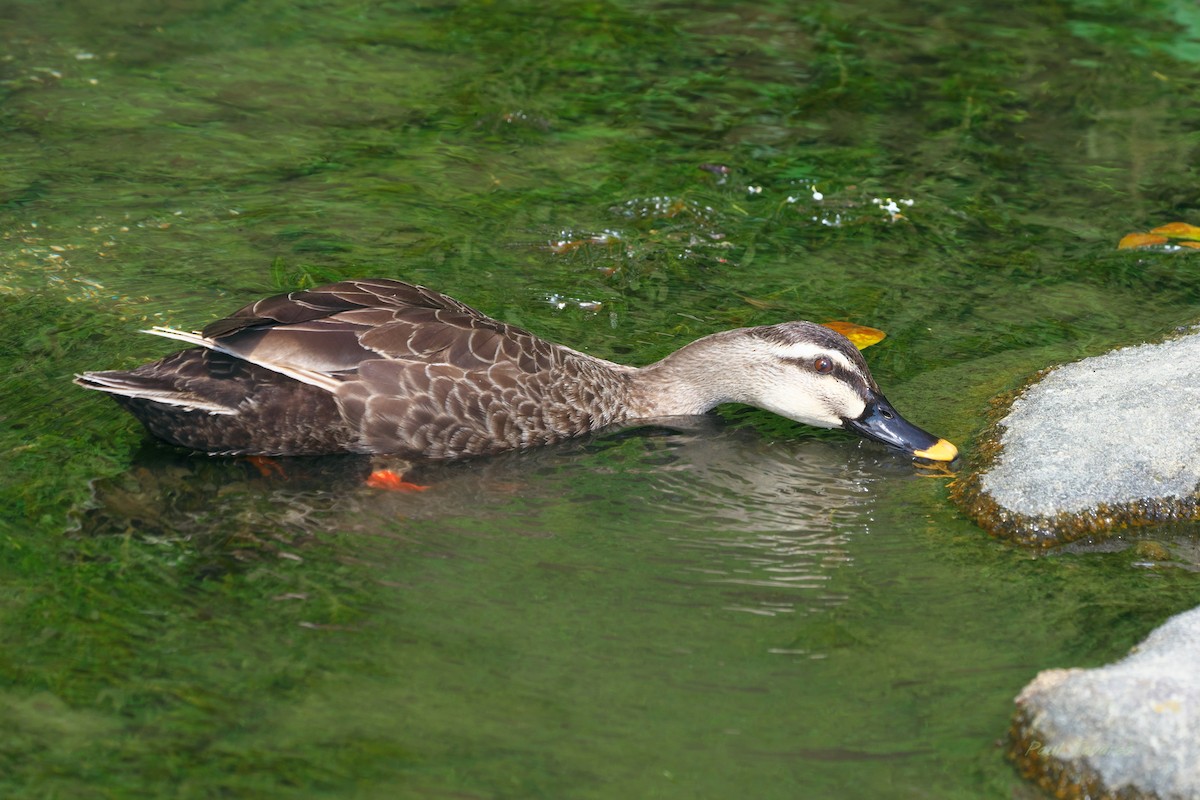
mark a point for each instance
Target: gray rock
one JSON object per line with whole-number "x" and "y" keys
{"x": 1131, "y": 728}
{"x": 1093, "y": 446}
{"x": 1114, "y": 429}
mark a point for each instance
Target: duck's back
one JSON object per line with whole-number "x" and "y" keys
{"x": 375, "y": 366}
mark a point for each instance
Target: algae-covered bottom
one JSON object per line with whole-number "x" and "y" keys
{"x": 762, "y": 611}
{"x": 1092, "y": 446}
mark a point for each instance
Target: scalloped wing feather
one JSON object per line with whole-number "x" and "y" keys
{"x": 332, "y": 329}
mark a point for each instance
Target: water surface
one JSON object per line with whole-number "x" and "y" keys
{"x": 747, "y": 609}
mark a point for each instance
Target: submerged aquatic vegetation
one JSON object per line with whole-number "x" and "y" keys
{"x": 181, "y": 625}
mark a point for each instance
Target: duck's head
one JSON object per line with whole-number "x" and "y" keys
{"x": 818, "y": 377}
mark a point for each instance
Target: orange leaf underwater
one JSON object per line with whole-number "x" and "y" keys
{"x": 1130, "y": 240}
{"x": 1163, "y": 234}
{"x": 860, "y": 335}
{"x": 1178, "y": 230}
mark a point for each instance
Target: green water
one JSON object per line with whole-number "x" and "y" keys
{"x": 750, "y": 610}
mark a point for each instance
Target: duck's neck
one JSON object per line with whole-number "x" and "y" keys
{"x": 691, "y": 380}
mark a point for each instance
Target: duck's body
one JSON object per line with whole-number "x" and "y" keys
{"x": 381, "y": 366}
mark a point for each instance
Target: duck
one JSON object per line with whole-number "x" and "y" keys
{"x": 388, "y": 368}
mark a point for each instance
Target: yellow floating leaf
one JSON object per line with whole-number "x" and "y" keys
{"x": 1178, "y": 230}
{"x": 1193, "y": 245}
{"x": 1140, "y": 240}
{"x": 860, "y": 335}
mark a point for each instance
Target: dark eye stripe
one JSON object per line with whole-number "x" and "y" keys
{"x": 849, "y": 376}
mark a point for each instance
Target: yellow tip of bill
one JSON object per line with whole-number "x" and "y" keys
{"x": 941, "y": 450}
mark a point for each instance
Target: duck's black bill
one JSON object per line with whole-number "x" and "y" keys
{"x": 881, "y": 422}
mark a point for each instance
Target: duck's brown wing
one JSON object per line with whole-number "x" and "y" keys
{"x": 420, "y": 374}
{"x": 325, "y": 301}
{"x": 334, "y": 328}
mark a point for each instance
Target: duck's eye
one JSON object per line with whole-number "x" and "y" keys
{"x": 823, "y": 365}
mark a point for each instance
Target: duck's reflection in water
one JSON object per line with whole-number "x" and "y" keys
{"x": 725, "y": 507}
{"x": 769, "y": 522}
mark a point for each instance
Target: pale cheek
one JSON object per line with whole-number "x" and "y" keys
{"x": 854, "y": 410}
{"x": 847, "y": 404}
{"x": 807, "y": 404}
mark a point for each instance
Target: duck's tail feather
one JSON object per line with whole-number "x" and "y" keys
{"x": 312, "y": 377}
{"x": 140, "y": 387}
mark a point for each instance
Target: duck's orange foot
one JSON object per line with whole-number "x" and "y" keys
{"x": 392, "y": 481}
{"x": 266, "y": 466}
